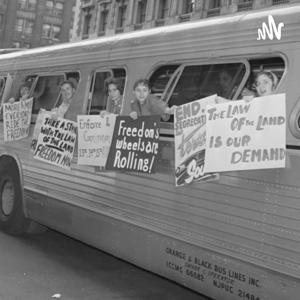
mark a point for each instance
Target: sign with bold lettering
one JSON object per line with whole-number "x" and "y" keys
{"x": 56, "y": 141}
{"x": 94, "y": 138}
{"x": 37, "y": 128}
{"x": 190, "y": 136}
{"x": 16, "y": 119}
{"x": 135, "y": 144}
{"x": 246, "y": 135}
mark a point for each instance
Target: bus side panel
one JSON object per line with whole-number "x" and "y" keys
{"x": 210, "y": 273}
{"x": 250, "y": 215}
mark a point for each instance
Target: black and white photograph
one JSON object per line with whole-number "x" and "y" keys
{"x": 149, "y": 149}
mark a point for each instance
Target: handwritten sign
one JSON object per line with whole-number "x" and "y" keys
{"x": 246, "y": 135}
{"x": 16, "y": 118}
{"x": 94, "y": 139}
{"x": 56, "y": 141}
{"x": 135, "y": 144}
{"x": 190, "y": 136}
{"x": 37, "y": 128}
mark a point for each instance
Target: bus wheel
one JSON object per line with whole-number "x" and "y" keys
{"x": 12, "y": 219}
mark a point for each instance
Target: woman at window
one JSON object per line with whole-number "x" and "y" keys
{"x": 265, "y": 83}
{"x": 114, "y": 90}
{"x": 67, "y": 91}
{"x": 23, "y": 92}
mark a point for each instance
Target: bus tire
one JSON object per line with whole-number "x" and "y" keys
{"x": 12, "y": 218}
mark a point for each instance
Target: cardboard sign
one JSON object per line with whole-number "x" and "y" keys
{"x": 56, "y": 141}
{"x": 246, "y": 135}
{"x": 190, "y": 136}
{"x": 37, "y": 128}
{"x": 94, "y": 139}
{"x": 16, "y": 119}
{"x": 135, "y": 144}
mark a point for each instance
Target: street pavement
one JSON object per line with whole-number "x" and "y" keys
{"x": 53, "y": 266}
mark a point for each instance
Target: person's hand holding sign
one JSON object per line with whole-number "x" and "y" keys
{"x": 133, "y": 115}
{"x": 248, "y": 98}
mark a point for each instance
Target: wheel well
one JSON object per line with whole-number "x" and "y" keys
{"x": 9, "y": 160}
{"x": 19, "y": 223}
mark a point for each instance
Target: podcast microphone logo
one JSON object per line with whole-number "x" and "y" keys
{"x": 270, "y": 30}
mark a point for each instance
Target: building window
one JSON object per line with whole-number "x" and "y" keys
{"x": 59, "y": 6}
{"x": 188, "y": 6}
{"x": 277, "y": 2}
{"x": 28, "y": 27}
{"x": 244, "y": 5}
{"x": 51, "y": 31}
{"x": 104, "y": 7}
{"x": 27, "y": 4}
{"x": 163, "y": 9}
{"x": 213, "y": 8}
{"x": 27, "y": 45}
{"x": 32, "y": 4}
{"x": 86, "y": 24}
{"x": 19, "y": 25}
{"x": 25, "y": 26}
{"x": 16, "y": 45}
{"x": 1, "y": 20}
{"x": 214, "y": 4}
{"x": 56, "y": 30}
{"x": 46, "y": 30}
{"x": 54, "y": 8}
{"x": 141, "y": 11}
{"x": 121, "y": 14}
{"x": 49, "y": 5}
{"x": 22, "y": 4}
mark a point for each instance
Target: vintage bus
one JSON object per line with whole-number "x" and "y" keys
{"x": 234, "y": 238}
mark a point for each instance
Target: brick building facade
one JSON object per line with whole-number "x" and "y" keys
{"x": 33, "y": 23}
{"x": 108, "y": 17}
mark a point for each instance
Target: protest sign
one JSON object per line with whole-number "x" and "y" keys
{"x": 246, "y": 135}
{"x": 56, "y": 141}
{"x": 94, "y": 139}
{"x": 16, "y": 118}
{"x": 190, "y": 136}
{"x": 135, "y": 144}
{"x": 37, "y": 128}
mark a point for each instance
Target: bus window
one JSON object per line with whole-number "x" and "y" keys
{"x": 2, "y": 85}
{"x": 46, "y": 91}
{"x": 5, "y": 87}
{"x": 17, "y": 84}
{"x": 98, "y": 100}
{"x": 160, "y": 79}
{"x": 120, "y": 73}
{"x": 73, "y": 76}
{"x": 274, "y": 64}
{"x": 98, "y": 95}
{"x": 199, "y": 81}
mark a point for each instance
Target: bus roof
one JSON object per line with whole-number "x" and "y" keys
{"x": 284, "y": 12}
